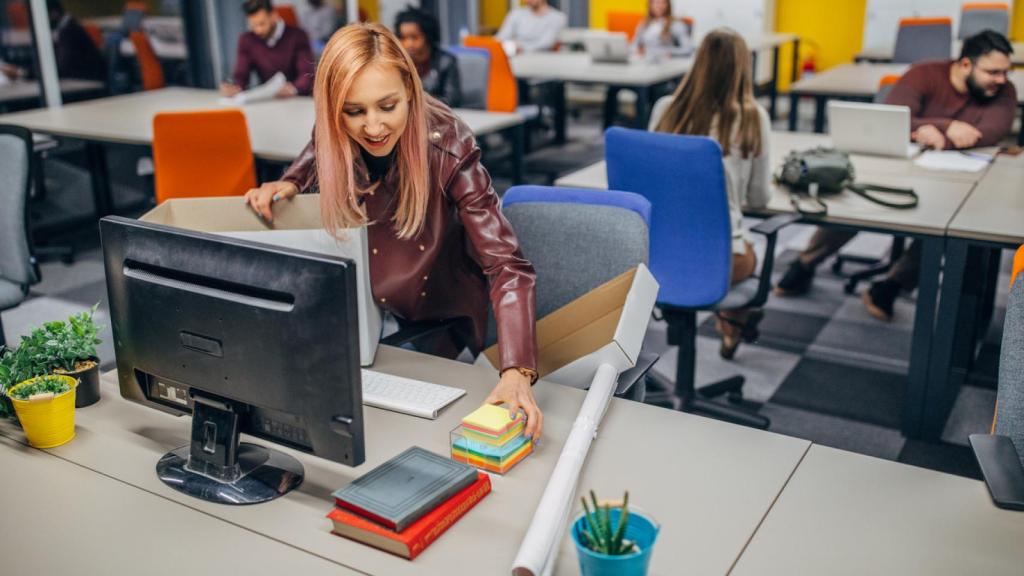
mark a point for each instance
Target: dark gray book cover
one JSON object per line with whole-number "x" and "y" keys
{"x": 401, "y": 490}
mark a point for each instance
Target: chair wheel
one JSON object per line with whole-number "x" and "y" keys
{"x": 837, "y": 267}
{"x": 736, "y": 397}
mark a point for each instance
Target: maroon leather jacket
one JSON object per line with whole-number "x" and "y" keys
{"x": 466, "y": 248}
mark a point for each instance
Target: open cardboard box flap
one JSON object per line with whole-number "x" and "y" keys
{"x": 297, "y": 224}
{"x": 604, "y": 326}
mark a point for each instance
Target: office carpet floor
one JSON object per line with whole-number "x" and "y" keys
{"x": 823, "y": 370}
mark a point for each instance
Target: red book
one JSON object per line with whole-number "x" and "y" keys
{"x": 410, "y": 542}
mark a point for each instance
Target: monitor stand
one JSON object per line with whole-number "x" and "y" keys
{"x": 217, "y": 468}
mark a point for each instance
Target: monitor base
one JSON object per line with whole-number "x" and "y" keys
{"x": 264, "y": 475}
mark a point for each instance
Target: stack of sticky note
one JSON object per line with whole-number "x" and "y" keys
{"x": 490, "y": 440}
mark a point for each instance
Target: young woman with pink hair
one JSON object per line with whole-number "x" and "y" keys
{"x": 388, "y": 156}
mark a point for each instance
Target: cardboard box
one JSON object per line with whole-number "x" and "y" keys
{"x": 296, "y": 224}
{"x": 604, "y": 326}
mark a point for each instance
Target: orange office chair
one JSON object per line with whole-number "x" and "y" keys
{"x": 204, "y": 153}
{"x": 149, "y": 64}
{"x": 17, "y": 15}
{"x": 95, "y": 34}
{"x": 287, "y": 13}
{"x": 923, "y": 39}
{"x": 978, "y": 16}
{"x": 502, "y": 89}
{"x": 624, "y": 22}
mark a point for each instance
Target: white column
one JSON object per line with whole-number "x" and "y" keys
{"x": 49, "y": 82}
{"x": 213, "y": 33}
{"x": 351, "y": 11}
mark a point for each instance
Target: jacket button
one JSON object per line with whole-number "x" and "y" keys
{"x": 424, "y": 277}
{"x": 375, "y": 251}
{"x": 423, "y": 294}
{"x": 422, "y": 247}
{"x": 383, "y": 300}
{"x": 435, "y": 136}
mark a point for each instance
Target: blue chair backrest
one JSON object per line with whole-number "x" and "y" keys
{"x": 474, "y": 72}
{"x": 691, "y": 232}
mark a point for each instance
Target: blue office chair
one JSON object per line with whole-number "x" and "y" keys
{"x": 691, "y": 248}
{"x": 577, "y": 240}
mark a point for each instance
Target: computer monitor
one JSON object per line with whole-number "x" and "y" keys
{"x": 247, "y": 338}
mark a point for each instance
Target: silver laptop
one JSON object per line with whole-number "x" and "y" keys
{"x": 879, "y": 129}
{"x": 612, "y": 48}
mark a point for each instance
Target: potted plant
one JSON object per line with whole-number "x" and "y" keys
{"x": 46, "y": 409}
{"x": 612, "y": 539}
{"x": 59, "y": 347}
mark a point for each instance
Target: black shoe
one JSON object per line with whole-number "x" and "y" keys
{"x": 879, "y": 299}
{"x": 796, "y": 281}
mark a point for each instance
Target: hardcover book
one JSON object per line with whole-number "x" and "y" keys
{"x": 401, "y": 490}
{"x": 421, "y": 533}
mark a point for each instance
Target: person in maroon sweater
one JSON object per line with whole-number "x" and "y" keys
{"x": 76, "y": 54}
{"x": 270, "y": 46}
{"x": 960, "y": 104}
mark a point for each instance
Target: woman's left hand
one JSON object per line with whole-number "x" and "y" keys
{"x": 515, "y": 392}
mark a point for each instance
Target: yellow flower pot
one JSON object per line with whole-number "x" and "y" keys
{"x": 48, "y": 422}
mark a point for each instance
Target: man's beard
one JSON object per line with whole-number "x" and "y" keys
{"x": 977, "y": 92}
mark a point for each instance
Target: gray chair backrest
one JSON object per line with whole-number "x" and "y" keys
{"x": 474, "y": 68}
{"x": 1010, "y": 397}
{"x": 16, "y": 264}
{"x": 978, "y": 20}
{"x": 922, "y": 42}
{"x": 576, "y": 248}
{"x": 883, "y": 93}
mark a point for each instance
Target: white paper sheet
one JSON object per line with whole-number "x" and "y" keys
{"x": 539, "y": 548}
{"x": 266, "y": 91}
{"x": 953, "y": 160}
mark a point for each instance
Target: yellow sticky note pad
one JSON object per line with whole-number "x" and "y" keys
{"x": 491, "y": 418}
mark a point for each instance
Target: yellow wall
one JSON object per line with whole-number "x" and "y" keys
{"x": 492, "y": 12}
{"x": 831, "y": 31}
{"x": 1017, "y": 21}
{"x": 371, "y": 8}
{"x": 599, "y": 9}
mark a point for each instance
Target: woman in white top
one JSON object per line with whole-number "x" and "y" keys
{"x": 716, "y": 99}
{"x": 659, "y": 33}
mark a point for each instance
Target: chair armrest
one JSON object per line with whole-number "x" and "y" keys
{"x": 775, "y": 223}
{"x": 631, "y": 384}
{"x": 770, "y": 229}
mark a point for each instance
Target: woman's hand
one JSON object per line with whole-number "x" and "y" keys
{"x": 263, "y": 198}
{"x": 514, "y": 391}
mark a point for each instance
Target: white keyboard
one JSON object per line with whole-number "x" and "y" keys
{"x": 405, "y": 395}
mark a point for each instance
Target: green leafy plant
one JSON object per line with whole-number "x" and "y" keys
{"x": 599, "y": 535}
{"x": 56, "y": 346}
{"x": 41, "y": 386}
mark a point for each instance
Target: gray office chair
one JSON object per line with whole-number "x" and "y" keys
{"x": 576, "y": 241}
{"x": 1010, "y": 397}
{"x": 474, "y": 66}
{"x": 18, "y": 268}
{"x": 923, "y": 39}
{"x": 974, "y": 19}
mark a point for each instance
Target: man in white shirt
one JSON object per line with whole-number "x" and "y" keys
{"x": 533, "y": 27}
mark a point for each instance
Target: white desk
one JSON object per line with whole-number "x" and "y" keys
{"x": 278, "y": 129}
{"x": 843, "y": 513}
{"x": 709, "y": 483}
{"x": 28, "y": 90}
{"x": 61, "y": 518}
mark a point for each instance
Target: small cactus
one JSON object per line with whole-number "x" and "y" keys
{"x": 598, "y": 534}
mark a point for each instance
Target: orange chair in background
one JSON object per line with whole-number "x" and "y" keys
{"x": 204, "y": 153}
{"x": 287, "y": 13}
{"x": 149, "y": 64}
{"x": 95, "y": 34}
{"x": 17, "y": 15}
{"x": 624, "y": 22}
{"x": 502, "y": 89}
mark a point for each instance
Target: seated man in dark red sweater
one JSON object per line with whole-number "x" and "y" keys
{"x": 270, "y": 46}
{"x": 960, "y": 104}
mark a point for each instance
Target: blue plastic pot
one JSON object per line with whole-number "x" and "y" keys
{"x": 640, "y": 529}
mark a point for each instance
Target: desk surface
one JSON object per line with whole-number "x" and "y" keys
{"x": 578, "y": 67}
{"x": 29, "y": 89}
{"x": 843, "y": 513}
{"x": 941, "y": 193}
{"x": 278, "y": 129}
{"x": 861, "y": 80}
{"x": 61, "y": 518}
{"x": 709, "y": 483}
{"x": 883, "y": 53}
{"x": 995, "y": 210}
{"x": 761, "y": 42}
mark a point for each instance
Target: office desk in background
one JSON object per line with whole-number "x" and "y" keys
{"x": 708, "y": 483}
{"x": 278, "y": 129}
{"x": 859, "y": 82}
{"x": 883, "y": 53}
{"x": 847, "y": 514}
{"x": 942, "y": 194}
{"x": 29, "y": 92}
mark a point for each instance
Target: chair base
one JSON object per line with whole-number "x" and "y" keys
{"x": 878, "y": 267}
